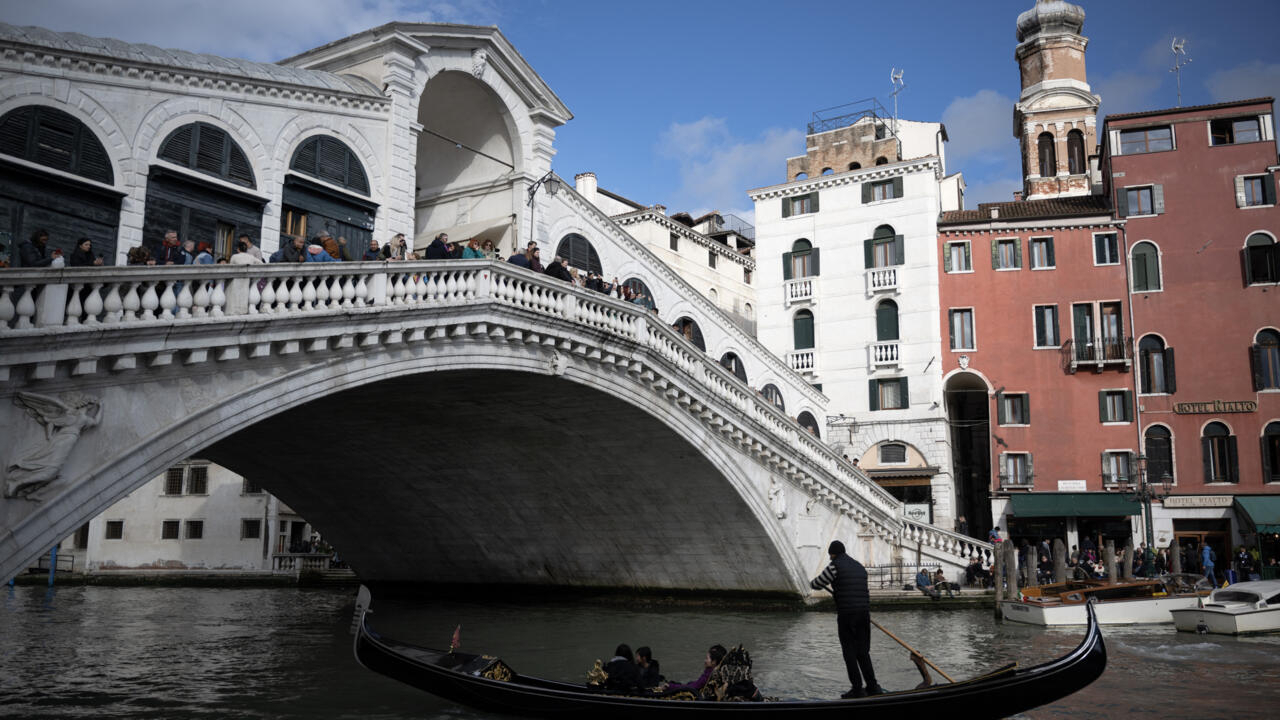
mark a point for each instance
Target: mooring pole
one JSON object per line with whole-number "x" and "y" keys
{"x": 53, "y": 563}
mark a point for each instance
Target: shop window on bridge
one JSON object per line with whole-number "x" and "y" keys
{"x": 773, "y": 395}
{"x": 339, "y": 205}
{"x": 1265, "y": 355}
{"x": 1271, "y": 453}
{"x": 733, "y": 363}
{"x": 801, "y": 262}
{"x": 209, "y": 150}
{"x": 1219, "y": 454}
{"x": 691, "y": 332}
{"x": 65, "y": 207}
{"x": 578, "y": 252}
{"x": 1158, "y": 445}
{"x": 330, "y": 159}
{"x": 808, "y": 422}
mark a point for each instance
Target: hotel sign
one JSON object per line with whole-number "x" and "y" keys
{"x": 1215, "y": 406}
{"x": 1198, "y": 501}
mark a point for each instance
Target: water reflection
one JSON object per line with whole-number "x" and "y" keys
{"x": 278, "y": 653}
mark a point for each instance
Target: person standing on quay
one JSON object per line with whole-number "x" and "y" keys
{"x": 846, "y": 579}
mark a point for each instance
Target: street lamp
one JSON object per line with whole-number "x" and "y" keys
{"x": 552, "y": 184}
{"x": 1144, "y": 494}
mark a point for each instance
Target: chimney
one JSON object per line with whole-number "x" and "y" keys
{"x": 660, "y": 209}
{"x": 995, "y": 212}
{"x": 585, "y": 184}
{"x": 1017, "y": 196}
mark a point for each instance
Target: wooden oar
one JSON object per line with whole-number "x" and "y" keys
{"x": 913, "y": 651}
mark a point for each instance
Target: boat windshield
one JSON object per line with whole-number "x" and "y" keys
{"x": 1239, "y": 596}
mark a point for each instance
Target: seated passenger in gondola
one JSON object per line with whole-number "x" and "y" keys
{"x": 624, "y": 675}
{"x": 650, "y": 677}
{"x": 714, "y": 656}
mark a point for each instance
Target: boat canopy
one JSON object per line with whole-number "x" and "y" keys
{"x": 1261, "y": 510}
{"x": 1061, "y": 504}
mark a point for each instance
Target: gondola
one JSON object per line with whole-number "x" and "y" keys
{"x": 486, "y": 683}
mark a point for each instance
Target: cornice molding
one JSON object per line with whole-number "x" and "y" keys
{"x": 879, "y": 172}
{"x": 639, "y": 216}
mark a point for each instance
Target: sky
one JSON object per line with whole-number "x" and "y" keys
{"x": 691, "y": 104}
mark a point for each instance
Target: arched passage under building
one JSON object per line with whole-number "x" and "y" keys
{"x": 968, "y": 415}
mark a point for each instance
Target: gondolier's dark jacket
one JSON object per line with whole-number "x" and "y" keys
{"x": 847, "y": 580}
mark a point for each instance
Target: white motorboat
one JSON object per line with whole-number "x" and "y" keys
{"x": 1122, "y": 603}
{"x": 1240, "y": 609}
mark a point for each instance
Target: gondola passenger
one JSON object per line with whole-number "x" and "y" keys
{"x": 624, "y": 674}
{"x": 714, "y": 656}
{"x": 649, "y": 675}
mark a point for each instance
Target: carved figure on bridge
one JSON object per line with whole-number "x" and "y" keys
{"x": 64, "y": 419}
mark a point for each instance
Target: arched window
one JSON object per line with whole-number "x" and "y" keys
{"x": 1048, "y": 155}
{"x": 577, "y": 251}
{"x": 1261, "y": 259}
{"x": 638, "y": 287}
{"x": 748, "y": 310}
{"x": 52, "y": 138}
{"x": 712, "y": 295}
{"x": 1075, "y": 152}
{"x": 1158, "y": 445}
{"x": 1271, "y": 453}
{"x": 855, "y": 166}
{"x": 774, "y": 395}
{"x": 1145, "y": 267}
{"x": 887, "y": 321}
{"x": 801, "y": 262}
{"x": 808, "y": 422}
{"x": 884, "y": 249}
{"x": 1266, "y": 360}
{"x": 882, "y": 160}
{"x": 802, "y": 325}
{"x": 687, "y": 327}
{"x": 1218, "y": 451}
{"x": 330, "y": 159}
{"x": 1155, "y": 362}
{"x": 210, "y": 150}
{"x": 733, "y": 364}
{"x": 827, "y": 171}
{"x": 801, "y": 176}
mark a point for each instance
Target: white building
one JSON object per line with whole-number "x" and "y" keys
{"x": 847, "y": 291}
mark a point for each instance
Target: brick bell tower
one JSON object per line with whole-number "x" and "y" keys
{"x": 1055, "y": 118}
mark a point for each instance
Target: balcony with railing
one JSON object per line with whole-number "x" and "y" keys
{"x": 883, "y": 279}
{"x": 800, "y": 290}
{"x": 1097, "y": 353}
{"x": 884, "y": 354}
{"x": 803, "y": 361}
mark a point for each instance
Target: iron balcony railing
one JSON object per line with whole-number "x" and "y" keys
{"x": 1096, "y": 352}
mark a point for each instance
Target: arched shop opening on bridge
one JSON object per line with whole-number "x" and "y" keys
{"x": 327, "y": 190}
{"x": 577, "y": 252}
{"x": 687, "y": 327}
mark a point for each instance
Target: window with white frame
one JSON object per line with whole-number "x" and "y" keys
{"x": 1233, "y": 131}
{"x": 1219, "y": 454}
{"x": 1158, "y": 444}
{"x": 198, "y": 480}
{"x": 1013, "y": 408}
{"x": 1106, "y": 249}
{"x": 1155, "y": 366}
{"x": 1255, "y": 190}
{"x": 962, "y": 329}
{"x": 1047, "y": 326}
{"x": 1015, "y": 469}
{"x": 1115, "y": 406}
{"x": 1145, "y": 140}
{"x": 1042, "y": 253}
{"x": 1006, "y": 254}
{"x": 1116, "y": 467}
{"x": 1261, "y": 259}
{"x": 1144, "y": 267}
{"x": 957, "y": 258}
{"x": 1265, "y": 357}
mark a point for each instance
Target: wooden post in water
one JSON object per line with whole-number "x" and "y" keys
{"x": 1030, "y": 560}
{"x": 1126, "y": 567}
{"x": 1059, "y": 561}
{"x": 1109, "y": 557}
{"x": 997, "y": 576}
{"x": 1011, "y": 568}
{"x": 1175, "y": 557}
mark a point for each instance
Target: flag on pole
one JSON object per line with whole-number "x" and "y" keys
{"x": 456, "y": 641}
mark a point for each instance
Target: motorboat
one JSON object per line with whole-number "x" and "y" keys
{"x": 1148, "y": 600}
{"x": 487, "y": 683}
{"x": 1239, "y": 609}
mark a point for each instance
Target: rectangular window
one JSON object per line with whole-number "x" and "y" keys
{"x": 1253, "y": 193}
{"x": 1008, "y": 255}
{"x": 1115, "y": 406}
{"x": 1013, "y": 408}
{"x": 882, "y": 253}
{"x": 884, "y": 190}
{"x": 1047, "y": 326}
{"x": 251, "y": 487}
{"x": 957, "y": 258}
{"x": 169, "y": 530}
{"x": 1015, "y": 469}
{"x": 195, "y": 529}
{"x": 675, "y": 242}
{"x": 962, "y": 329}
{"x": 800, "y": 205}
{"x": 1231, "y": 131}
{"x": 711, "y": 258}
{"x": 800, "y": 264}
{"x": 746, "y": 276}
{"x": 1042, "y": 253}
{"x": 294, "y": 222}
{"x": 1145, "y": 140}
{"x": 198, "y": 480}
{"x": 1139, "y": 201}
{"x": 1255, "y": 190}
{"x": 889, "y": 394}
{"x": 1116, "y": 467}
{"x": 1106, "y": 249}
{"x": 173, "y": 478}
{"x": 250, "y": 529}
{"x": 115, "y": 530}
{"x": 893, "y": 453}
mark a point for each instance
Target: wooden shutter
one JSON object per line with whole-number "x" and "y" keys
{"x": 867, "y": 192}
{"x": 238, "y": 169}
{"x": 1269, "y": 189}
{"x": 967, "y": 264}
{"x": 786, "y": 207}
{"x": 1206, "y": 458}
{"x": 1017, "y": 253}
{"x": 899, "y": 250}
{"x": 786, "y": 266}
{"x": 1170, "y": 378}
{"x": 177, "y": 147}
{"x": 951, "y": 328}
{"x": 995, "y": 255}
{"x": 904, "y": 394}
{"x": 897, "y": 187}
{"x": 1157, "y": 199}
{"x": 1106, "y": 467}
{"x": 873, "y": 391}
{"x": 1233, "y": 460}
{"x": 1040, "y": 322}
{"x": 331, "y": 161}
{"x": 1122, "y": 202}
{"x": 1002, "y": 417}
{"x": 813, "y": 200}
{"x": 814, "y": 266}
{"x": 887, "y": 322}
{"x": 868, "y": 253}
{"x": 1144, "y": 377}
{"x": 946, "y": 257}
{"x": 1026, "y": 407}
{"x": 802, "y": 330}
{"x": 1102, "y": 406}
{"x": 1255, "y": 360}
{"x": 15, "y": 132}
{"x": 1139, "y": 269}
{"x": 1152, "y": 263}
{"x": 1266, "y": 459}
{"x": 211, "y": 146}
{"x": 1049, "y": 248}
{"x": 1031, "y": 469}
{"x": 1128, "y": 406}
{"x": 304, "y": 160}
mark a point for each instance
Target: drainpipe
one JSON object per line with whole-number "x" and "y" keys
{"x": 1148, "y": 518}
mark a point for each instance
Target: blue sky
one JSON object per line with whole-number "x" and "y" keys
{"x": 690, "y": 104}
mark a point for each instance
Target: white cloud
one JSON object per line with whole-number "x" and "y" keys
{"x": 716, "y": 168}
{"x": 1251, "y": 80}
{"x": 980, "y": 127}
{"x": 250, "y": 29}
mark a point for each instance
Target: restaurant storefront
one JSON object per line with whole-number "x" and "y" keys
{"x": 1072, "y": 517}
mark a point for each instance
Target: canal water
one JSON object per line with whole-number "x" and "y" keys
{"x": 107, "y": 652}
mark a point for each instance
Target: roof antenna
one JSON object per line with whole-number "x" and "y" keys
{"x": 1179, "y": 60}
{"x": 895, "y": 79}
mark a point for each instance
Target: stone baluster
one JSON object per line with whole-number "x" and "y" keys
{"x": 7, "y": 310}
{"x": 420, "y": 288}
{"x": 255, "y": 296}
{"x": 322, "y": 291}
{"x": 74, "y": 308}
{"x": 217, "y": 298}
{"x": 150, "y": 302}
{"x": 112, "y": 304}
{"x": 168, "y": 301}
{"x": 131, "y": 302}
{"x": 268, "y": 293}
{"x": 200, "y": 300}
{"x": 185, "y": 301}
{"x": 295, "y": 294}
{"x": 357, "y": 293}
{"x": 93, "y": 304}
{"x": 308, "y": 292}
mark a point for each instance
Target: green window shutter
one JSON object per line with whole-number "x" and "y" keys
{"x": 1255, "y": 357}
{"x": 886, "y": 322}
{"x": 1049, "y": 244}
{"x": 995, "y": 255}
{"x": 1139, "y": 269}
{"x": 905, "y": 394}
{"x": 899, "y": 250}
{"x": 1206, "y": 457}
{"x": 814, "y": 266}
{"x": 1040, "y": 322}
{"x": 867, "y": 193}
{"x": 897, "y": 187}
{"x": 1031, "y": 468}
{"x": 814, "y": 200}
{"x": 1017, "y": 253}
{"x": 874, "y": 394}
{"x": 786, "y": 266}
{"x": 786, "y": 207}
{"x": 1266, "y": 460}
{"x": 1026, "y": 408}
{"x": 1128, "y": 406}
{"x": 1157, "y": 199}
{"x": 1001, "y": 415}
{"x": 951, "y": 327}
{"x": 1269, "y": 189}
{"x": 946, "y": 257}
{"x": 1170, "y": 379}
{"x": 868, "y": 253}
{"x": 1144, "y": 377}
{"x": 1122, "y": 202}
{"x": 1233, "y": 459}
{"x": 1102, "y": 406}
{"x": 802, "y": 326}
{"x": 1153, "y": 269}
{"x": 1106, "y": 467}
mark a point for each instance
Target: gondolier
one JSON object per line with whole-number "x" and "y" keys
{"x": 846, "y": 579}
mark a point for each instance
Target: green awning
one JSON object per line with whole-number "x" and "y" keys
{"x": 1261, "y": 510}
{"x": 1062, "y": 504}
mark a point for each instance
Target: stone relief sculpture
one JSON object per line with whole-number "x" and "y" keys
{"x": 64, "y": 419}
{"x": 777, "y": 499}
{"x": 478, "y": 60}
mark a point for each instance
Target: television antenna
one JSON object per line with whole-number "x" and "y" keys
{"x": 895, "y": 79}
{"x": 1180, "y": 59}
